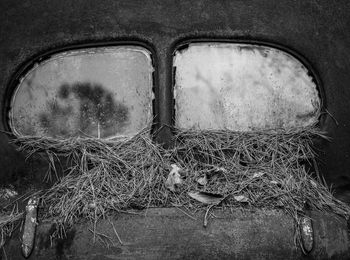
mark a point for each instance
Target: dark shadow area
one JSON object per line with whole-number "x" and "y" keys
{"x": 97, "y": 110}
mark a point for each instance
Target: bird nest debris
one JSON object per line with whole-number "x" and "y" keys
{"x": 8, "y": 223}
{"x": 260, "y": 169}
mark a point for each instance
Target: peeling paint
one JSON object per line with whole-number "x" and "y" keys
{"x": 98, "y": 92}
{"x": 242, "y": 87}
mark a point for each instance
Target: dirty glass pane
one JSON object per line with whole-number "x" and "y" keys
{"x": 98, "y": 92}
{"x": 242, "y": 87}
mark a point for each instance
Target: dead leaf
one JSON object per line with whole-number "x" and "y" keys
{"x": 174, "y": 178}
{"x": 258, "y": 175}
{"x": 206, "y": 197}
{"x": 203, "y": 180}
{"x": 7, "y": 193}
{"x": 220, "y": 169}
{"x": 280, "y": 204}
{"x": 92, "y": 205}
{"x": 314, "y": 184}
{"x": 241, "y": 198}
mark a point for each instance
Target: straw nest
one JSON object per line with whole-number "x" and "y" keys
{"x": 8, "y": 223}
{"x": 266, "y": 169}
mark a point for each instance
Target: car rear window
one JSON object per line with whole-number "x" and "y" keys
{"x": 242, "y": 87}
{"x": 98, "y": 92}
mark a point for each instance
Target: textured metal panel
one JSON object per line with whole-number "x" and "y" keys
{"x": 318, "y": 30}
{"x": 170, "y": 234}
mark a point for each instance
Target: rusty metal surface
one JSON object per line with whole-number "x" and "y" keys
{"x": 170, "y": 234}
{"x": 318, "y": 30}
{"x": 307, "y": 236}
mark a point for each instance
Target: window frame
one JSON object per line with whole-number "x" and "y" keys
{"x": 163, "y": 97}
{"x": 30, "y": 64}
{"x": 183, "y": 44}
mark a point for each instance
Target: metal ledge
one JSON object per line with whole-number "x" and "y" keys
{"x": 167, "y": 233}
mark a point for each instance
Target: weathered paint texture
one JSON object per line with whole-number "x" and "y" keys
{"x": 317, "y": 30}
{"x": 99, "y": 92}
{"x": 242, "y": 87}
{"x": 170, "y": 234}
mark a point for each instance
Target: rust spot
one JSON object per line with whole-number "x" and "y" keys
{"x": 307, "y": 235}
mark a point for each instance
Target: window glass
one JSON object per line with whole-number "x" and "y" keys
{"x": 242, "y": 87}
{"x": 98, "y": 92}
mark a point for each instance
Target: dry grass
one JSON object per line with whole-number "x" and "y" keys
{"x": 8, "y": 223}
{"x": 103, "y": 175}
{"x": 268, "y": 168}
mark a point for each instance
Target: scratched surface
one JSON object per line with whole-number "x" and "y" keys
{"x": 242, "y": 87}
{"x": 168, "y": 233}
{"x": 318, "y": 30}
{"x": 99, "y": 92}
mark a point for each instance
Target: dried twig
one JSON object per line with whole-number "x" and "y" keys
{"x": 266, "y": 168}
